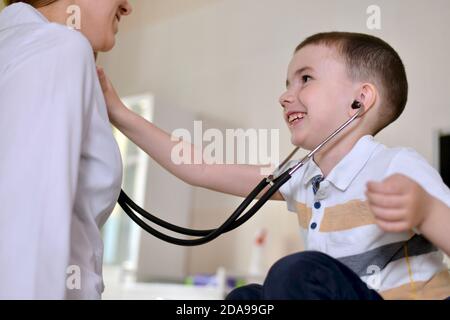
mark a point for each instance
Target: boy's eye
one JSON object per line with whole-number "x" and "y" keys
{"x": 306, "y": 78}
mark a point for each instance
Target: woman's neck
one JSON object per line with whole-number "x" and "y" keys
{"x": 56, "y": 12}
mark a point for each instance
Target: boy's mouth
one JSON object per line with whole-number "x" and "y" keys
{"x": 294, "y": 118}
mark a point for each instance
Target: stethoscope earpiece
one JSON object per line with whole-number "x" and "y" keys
{"x": 356, "y": 105}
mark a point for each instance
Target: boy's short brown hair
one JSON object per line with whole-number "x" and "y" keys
{"x": 369, "y": 58}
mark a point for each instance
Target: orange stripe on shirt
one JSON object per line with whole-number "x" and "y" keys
{"x": 304, "y": 214}
{"x": 437, "y": 288}
{"x": 353, "y": 214}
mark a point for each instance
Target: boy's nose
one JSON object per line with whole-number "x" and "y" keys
{"x": 286, "y": 99}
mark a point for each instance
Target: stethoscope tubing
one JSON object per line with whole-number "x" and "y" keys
{"x": 237, "y": 218}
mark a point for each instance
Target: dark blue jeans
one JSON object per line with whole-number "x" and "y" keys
{"x": 307, "y": 276}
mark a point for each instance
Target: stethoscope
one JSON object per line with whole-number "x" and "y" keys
{"x": 235, "y": 220}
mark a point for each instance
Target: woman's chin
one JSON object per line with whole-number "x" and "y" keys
{"x": 106, "y": 46}
{"x": 110, "y": 46}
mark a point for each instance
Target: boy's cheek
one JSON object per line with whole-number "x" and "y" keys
{"x": 302, "y": 138}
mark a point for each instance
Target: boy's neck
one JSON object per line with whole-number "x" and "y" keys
{"x": 334, "y": 152}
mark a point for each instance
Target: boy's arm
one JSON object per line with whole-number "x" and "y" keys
{"x": 400, "y": 204}
{"x": 238, "y": 180}
{"x": 435, "y": 226}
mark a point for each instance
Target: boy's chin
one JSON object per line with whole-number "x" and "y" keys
{"x": 300, "y": 142}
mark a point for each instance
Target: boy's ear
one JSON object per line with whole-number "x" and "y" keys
{"x": 367, "y": 96}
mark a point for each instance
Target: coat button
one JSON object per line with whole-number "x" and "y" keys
{"x": 317, "y": 205}
{"x": 313, "y": 225}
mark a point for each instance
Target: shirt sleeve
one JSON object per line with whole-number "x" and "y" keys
{"x": 411, "y": 164}
{"x": 46, "y": 100}
{"x": 288, "y": 189}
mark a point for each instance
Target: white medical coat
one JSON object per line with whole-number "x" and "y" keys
{"x": 60, "y": 167}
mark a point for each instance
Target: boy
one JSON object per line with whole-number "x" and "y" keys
{"x": 347, "y": 246}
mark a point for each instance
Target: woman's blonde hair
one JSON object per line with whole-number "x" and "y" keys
{"x": 34, "y": 3}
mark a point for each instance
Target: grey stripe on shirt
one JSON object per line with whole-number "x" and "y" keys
{"x": 384, "y": 255}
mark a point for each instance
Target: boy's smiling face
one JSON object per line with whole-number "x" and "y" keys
{"x": 318, "y": 96}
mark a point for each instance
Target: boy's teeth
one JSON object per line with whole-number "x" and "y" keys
{"x": 296, "y": 116}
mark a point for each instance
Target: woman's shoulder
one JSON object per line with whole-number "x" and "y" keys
{"x": 61, "y": 39}
{"x": 47, "y": 43}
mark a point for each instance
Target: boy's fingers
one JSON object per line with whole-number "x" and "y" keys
{"x": 387, "y": 215}
{"x": 100, "y": 69}
{"x": 103, "y": 79}
{"x": 385, "y": 187}
{"x": 375, "y": 187}
{"x": 395, "y": 184}
{"x": 392, "y": 226}
{"x": 394, "y": 201}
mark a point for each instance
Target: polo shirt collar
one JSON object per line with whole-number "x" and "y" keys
{"x": 348, "y": 168}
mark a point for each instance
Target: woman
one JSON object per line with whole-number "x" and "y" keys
{"x": 60, "y": 166}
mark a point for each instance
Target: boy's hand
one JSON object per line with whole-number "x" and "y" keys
{"x": 112, "y": 99}
{"x": 398, "y": 203}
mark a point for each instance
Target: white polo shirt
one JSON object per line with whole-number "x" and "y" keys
{"x": 337, "y": 221}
